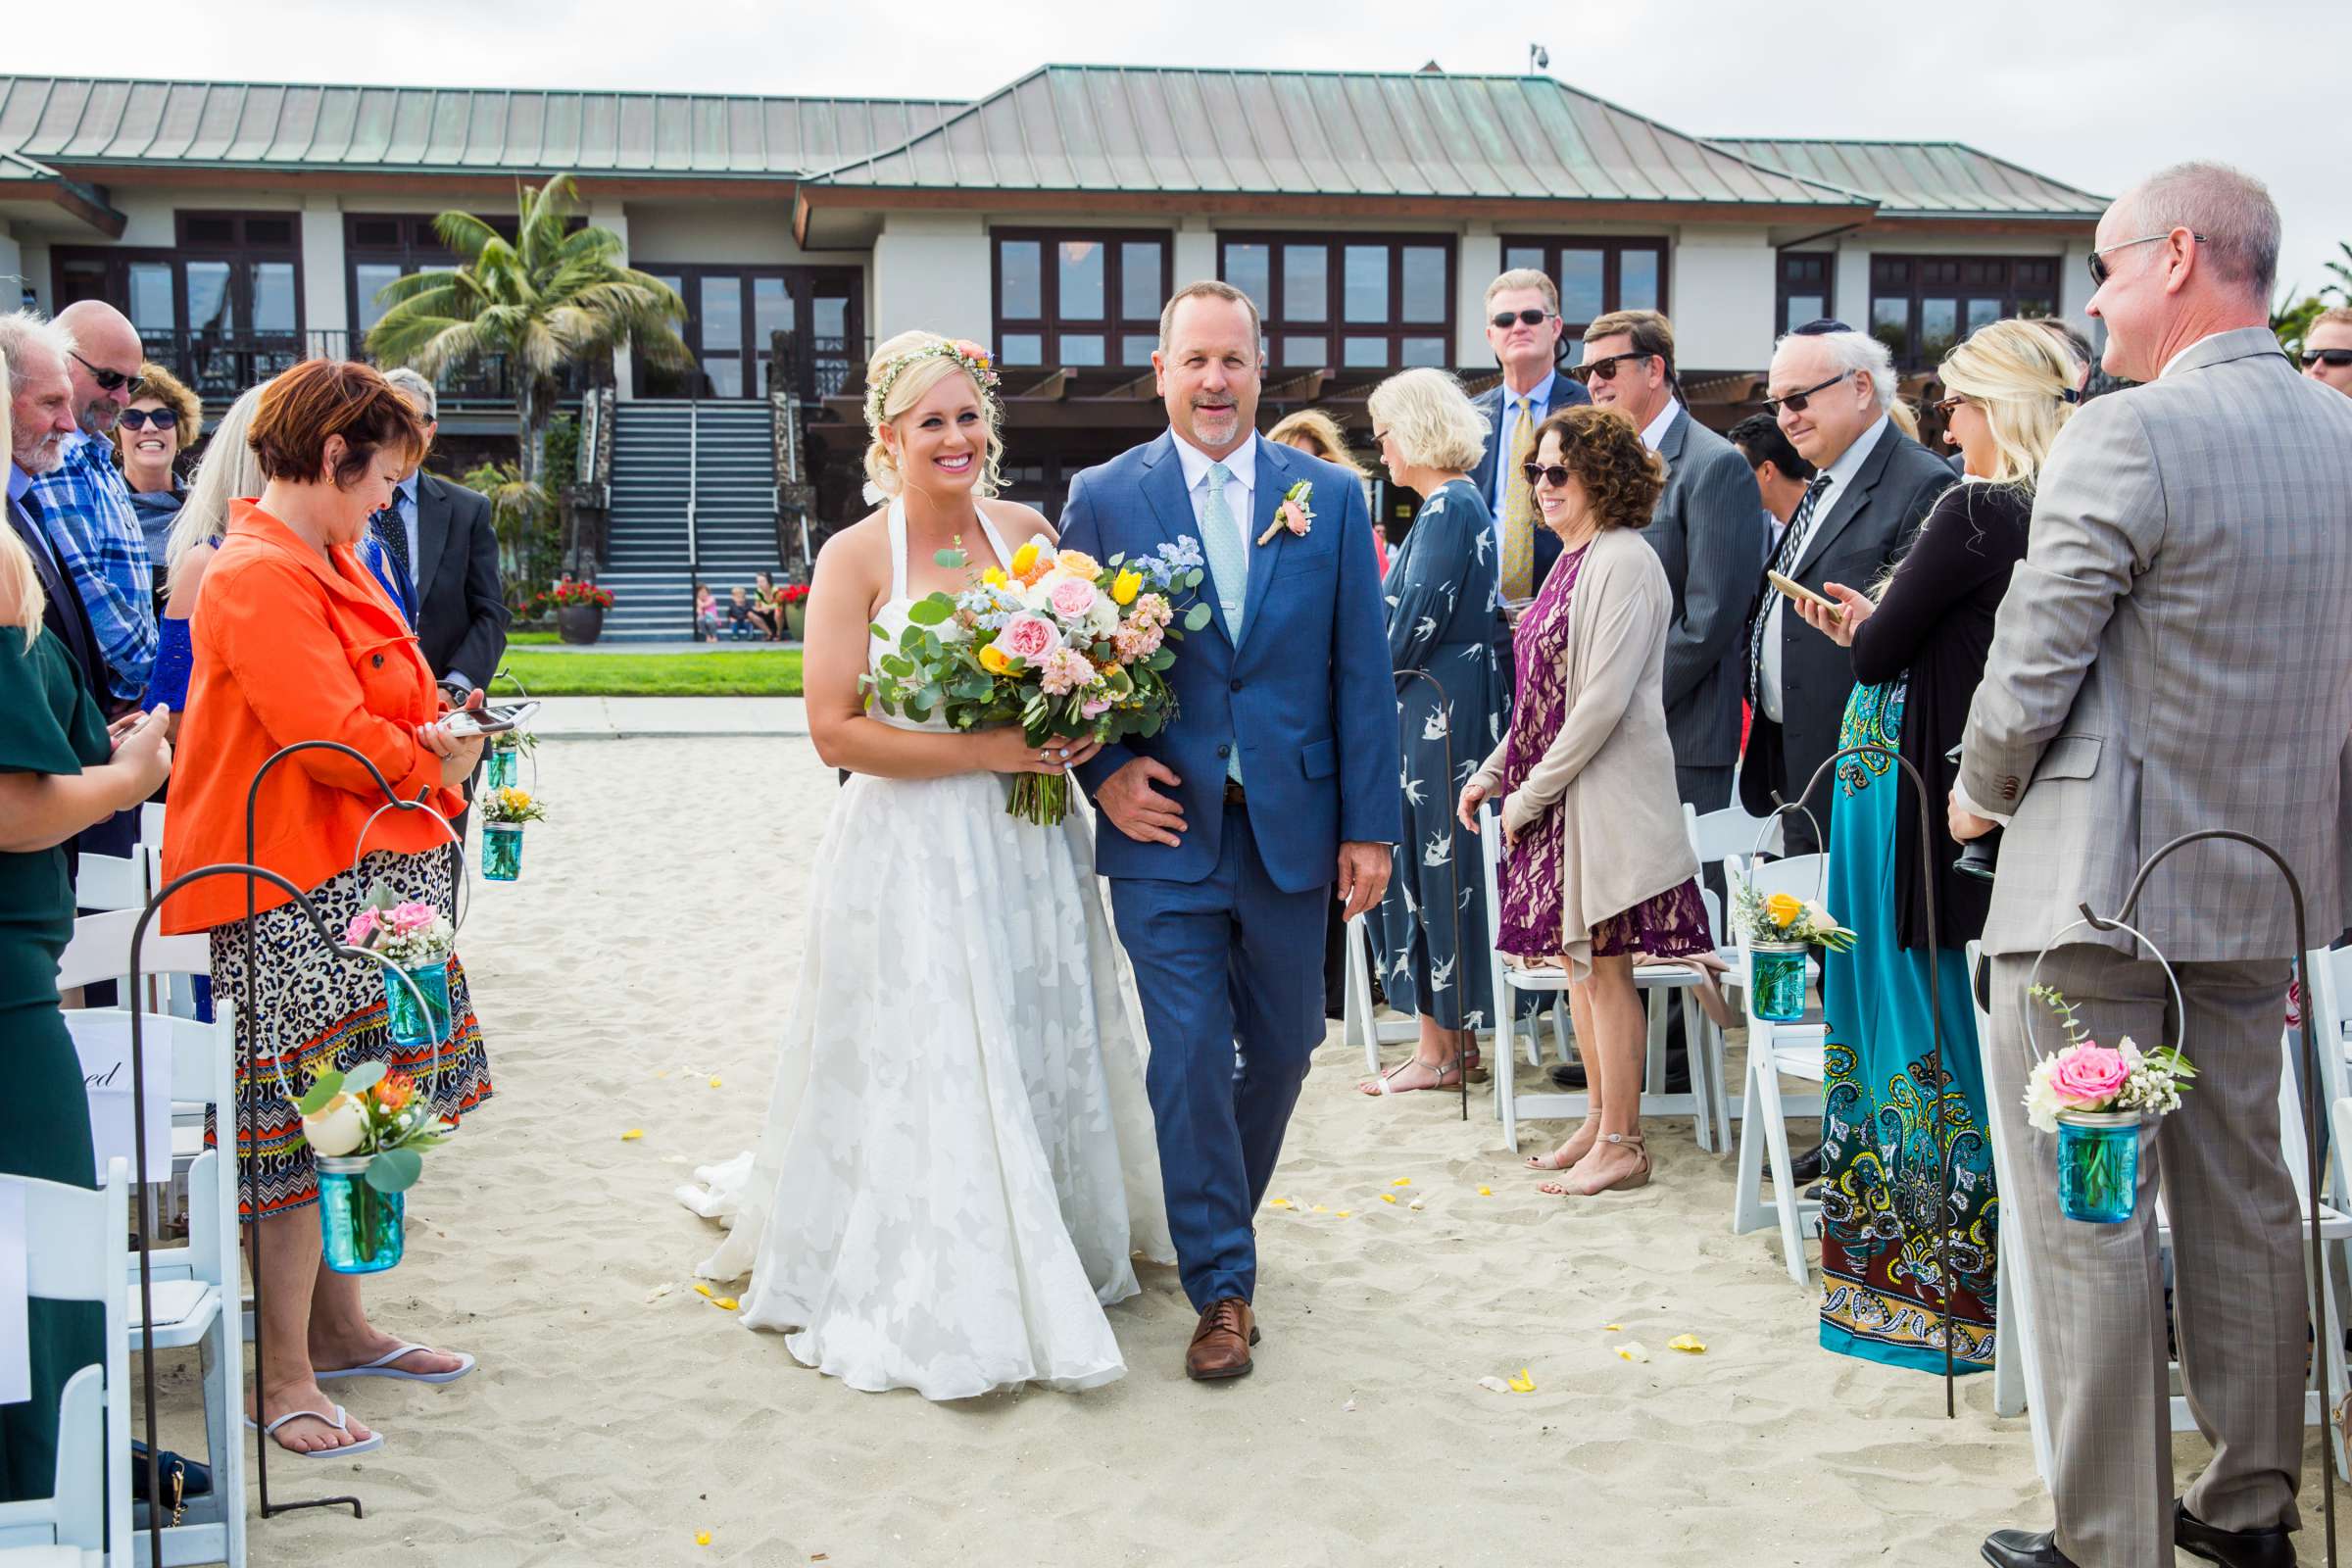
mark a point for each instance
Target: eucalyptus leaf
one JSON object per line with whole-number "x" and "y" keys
{"x": 365, "y": 1076}
{"x": 1119, "y": 558}
{"x": 1160, "y": 659}
{"x": 1195, "y": 617}
{"x": 930, "y": 611}
{"x": 951, "y": 557}
{"x": 325, "y": 1087}
{"x": 878, "y": 629}
{"x": 395, "y": 1170}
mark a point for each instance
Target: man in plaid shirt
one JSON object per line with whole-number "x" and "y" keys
{"x": 83, "y": 506}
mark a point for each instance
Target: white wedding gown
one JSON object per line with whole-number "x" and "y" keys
{"x": 959, "y": 1159}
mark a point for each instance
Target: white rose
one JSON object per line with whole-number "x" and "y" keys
{"x": 339, "y": 1127}
{"x": 1104, "y": 618}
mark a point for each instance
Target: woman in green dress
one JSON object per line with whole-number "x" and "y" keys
{"x": 59, "y": 772}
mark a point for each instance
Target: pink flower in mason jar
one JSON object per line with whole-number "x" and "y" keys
{"x": 2088, "y": 1076}
{"x": 364, "y": 926}
{"x": 1072, "y": 598}
{"x": 412, "y": 916}
{"x": 1030, "y": 638}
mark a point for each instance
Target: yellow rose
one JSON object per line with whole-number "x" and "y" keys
{"x": 993, "y": 660}
{"x": 1125, "y": 586}
{"x": 994, "y": 576}
{"x": 1078, "y": 564}
{"x": 1024, "y": 559}
{"x": 1784, "y": 909}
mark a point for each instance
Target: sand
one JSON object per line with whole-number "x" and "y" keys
{"x": 636, "y": 979}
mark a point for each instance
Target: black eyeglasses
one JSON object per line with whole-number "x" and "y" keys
{"x": 2100, "y": 272}
{"x": 2335, "y": 356}
{"x": 1542, "y": 474}
{"x": 141, "y": 418}
{"x": 1502, "y": 321}
{"x": 1602, "y": 369}
{"x": 112, "y": 380}
{"x": 1945, "y": 405}
{"x": 1796, "y": 402}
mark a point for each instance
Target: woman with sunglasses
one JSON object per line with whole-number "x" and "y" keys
{"x": 1599, "y": 867}
{"x": 163, "y": 421}
{"x": 1920, "y": 640}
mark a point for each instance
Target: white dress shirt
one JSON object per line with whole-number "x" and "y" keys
{"x": 1242, "y": 464}
{"x": 1841, "y": 474}
{"x": 1654, "y": 435}
{"x": 1506, "y": 442}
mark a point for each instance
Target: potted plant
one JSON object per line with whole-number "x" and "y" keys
{"x": 368, "y": 1130}
{"x": 794, "y": 597}
{"x": 579, "y": 609}
{"x": 1779, "y": 932}
{"x": 504, "y": 814}
{"x": 2095, "y": 1097}
{"x": 417, "y": 939}
{"x": 503, "y": 756}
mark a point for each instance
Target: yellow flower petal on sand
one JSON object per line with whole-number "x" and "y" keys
{"x": 632, "y": 1134}
{"x": 715, "y": 1083}
{"x": 706, "y": 1291}
{"x": 1632, "y": 1351}
{"x": 1278, "y": 1203}
{"x": 1486, "y": 1192}
{"x": 1612, "y": 1327}
{"x": 1688, "y": 1343}
{"x": 1317, "y": 1208}
{"x": 1524, "y": 1383}
{"x": 1402, "y": 1181}
{"x": 702, "y": 1537}
{"x": 725, "y": 1303}
{"x": 1346, "y": 1212}
{"x": 1387, "y": 1197}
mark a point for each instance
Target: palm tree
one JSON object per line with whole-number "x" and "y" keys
{"x": 2341, "y": 271}
{"x": 548, "y": 298}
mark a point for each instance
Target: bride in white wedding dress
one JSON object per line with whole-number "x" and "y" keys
{"x": 959, "y": 1161}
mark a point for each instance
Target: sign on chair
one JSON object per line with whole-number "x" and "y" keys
{"x": 103, "y": 1039}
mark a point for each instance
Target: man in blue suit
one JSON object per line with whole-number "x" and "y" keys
{"x": 1523, "y": 329}
{"x": 1223, "y": 834}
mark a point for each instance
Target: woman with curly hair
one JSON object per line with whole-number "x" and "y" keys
{"x": 1598, "y": 866}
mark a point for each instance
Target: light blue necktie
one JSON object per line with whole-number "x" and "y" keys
{"x": 1229, "y": 563}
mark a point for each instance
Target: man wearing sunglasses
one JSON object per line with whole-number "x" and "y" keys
{"x": 2328, "y": 349}
{"x": 2170, "y": 658}
{"x": 1523, "y": 329}
{"x": 85, "y": 506}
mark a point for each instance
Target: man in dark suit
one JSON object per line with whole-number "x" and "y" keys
{"x": 1707, "y": 533}
{"x": 1523, "y": 329}
{"x": 1831, "y": 388}
{"x": 441, "y": 535}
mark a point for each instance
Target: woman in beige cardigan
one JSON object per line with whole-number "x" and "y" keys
{"x": 1598, "y": 866}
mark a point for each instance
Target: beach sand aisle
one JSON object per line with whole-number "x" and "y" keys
{"x": 636, "y": 979}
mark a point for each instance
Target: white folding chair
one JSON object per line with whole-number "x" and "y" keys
{"x": 1795, "y": 1049}
{"x": 1702, "y": 1104}
{"x": 77, "y": 1244}
{"x": 1360, "y": 1021}
{"x": 111, "y": 882}
{"x": 2016, "y": 1363}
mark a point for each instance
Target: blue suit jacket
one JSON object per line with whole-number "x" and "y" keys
{"x": 1308, "y": 694}
{"x": 1566, "y": 393}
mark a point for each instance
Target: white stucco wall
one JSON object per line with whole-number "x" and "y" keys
{"x": 13, "y": 276}
{"x": 325, "y": 289}
{"x": 1478, "y": 259}
{"x": 931, "y": 271}
{"x": 1720, "y": 296}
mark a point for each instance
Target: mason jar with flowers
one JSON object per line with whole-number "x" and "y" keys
{"x": 2096, "y": 1098}
{"x": 1780, "y": 931}
{"x": 416, "y": 940}
{"x": 503, "y": 758}
{"x": 504, "y": 814}
{"x": 368, "y": 1130}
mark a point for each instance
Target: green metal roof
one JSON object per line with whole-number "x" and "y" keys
{"x": 82, "y": 120}
{"x": 1922, "y": 178}
{"x": 1143, "y": 129}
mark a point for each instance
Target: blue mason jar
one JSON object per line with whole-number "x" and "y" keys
{"x": 502, "y": 761}
{"x": 363, "y": 1228}
{"x": 1775, "y": 975}
{"x": 409, "y": 1026}
{"x": 502, "y": 850}
{"x": 2098, "y": 1164}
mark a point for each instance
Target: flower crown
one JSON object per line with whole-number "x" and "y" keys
{"x": 969, "y": 356}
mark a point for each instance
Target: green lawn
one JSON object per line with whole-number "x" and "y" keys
{"x": 531, "y": 639}
{"x": 772, "y": 674}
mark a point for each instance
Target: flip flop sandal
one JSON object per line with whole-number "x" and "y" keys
{"x": 340, "y": 1421}
{"x": 383, "y": 1367}
{"x": 1387, "y": 1080}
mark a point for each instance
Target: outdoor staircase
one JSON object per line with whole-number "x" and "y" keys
{"x": 722, "y": 455}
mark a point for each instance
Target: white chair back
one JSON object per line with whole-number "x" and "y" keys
{"x": 111, "y": 882}
{"x": 1727, "y": 835}
{"x": 100, "y": 950}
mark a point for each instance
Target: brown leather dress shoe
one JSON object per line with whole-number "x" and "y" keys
{"x": 1220, "y": 1346}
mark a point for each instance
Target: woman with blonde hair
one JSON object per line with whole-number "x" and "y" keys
{"x": 958, "y": 1161}
{"x": 59, "y": 772}
{"x": 1918, "y": 650}
{"x": 1317, "y": 434}
{"x": 1442, "y": 598}
{"x": 228, "y": 472}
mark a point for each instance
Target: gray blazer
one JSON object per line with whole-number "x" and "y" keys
{"x": 2175, "y": 652}
{"x": 1708, "y": 532}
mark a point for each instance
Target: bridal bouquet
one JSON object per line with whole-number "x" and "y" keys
{"x": 1064, "y": 646}
{"x": 2095, "y": 1097}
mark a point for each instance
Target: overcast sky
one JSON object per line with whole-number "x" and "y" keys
{"x": 2092, "y": 92}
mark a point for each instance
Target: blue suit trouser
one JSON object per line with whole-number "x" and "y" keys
{"x": 1231, "y": 961}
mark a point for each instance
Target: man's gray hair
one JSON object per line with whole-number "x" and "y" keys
{"x": 419, "y": 392}
{"x": 26, "y": 333}
{"x": 1858, "y": 352}
{"x": 2231, "y": 213}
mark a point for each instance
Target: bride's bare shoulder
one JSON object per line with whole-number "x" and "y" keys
{"x": 1018, "y": 524}
{"x": 857, "y": 550}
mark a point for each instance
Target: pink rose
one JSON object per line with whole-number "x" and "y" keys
{"x": 2089, "y": 1076}
{"x": 362, "y": 927}
{"x": 1095, "y": 707}
{"x": 412, "y": 916}
{"x": 1072, "y": 598}
{"x": 1030, "y": 638}
{"x": 1293, "y": 517}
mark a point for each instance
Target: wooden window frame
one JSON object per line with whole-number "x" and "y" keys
{"x": 1784, "y": 288}
{"x": 1050, "y": 325}
{"x": 1335, "y": 327}
{"x": 1919, "y": 291}
{"x": 1612, "y": 269}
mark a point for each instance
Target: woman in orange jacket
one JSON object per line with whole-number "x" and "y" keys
{"x": 295, "y": 641}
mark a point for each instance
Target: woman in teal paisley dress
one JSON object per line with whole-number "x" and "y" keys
{"x": 1429, "y": 933}
{"x": 1902, "y": 1265}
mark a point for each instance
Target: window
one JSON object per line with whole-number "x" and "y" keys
{"x": 732, "y": 316}
{"x": 1079, "y": 298}
{"x": 1808, "y": 288}
{"x": 1595, "y": 276}
{"x": 1358, "y": 304}
{"x": 1920, "y": 305}
{"x": 221, "y": 309}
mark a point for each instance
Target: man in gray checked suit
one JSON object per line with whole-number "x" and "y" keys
{"x": 2175, "y": 652}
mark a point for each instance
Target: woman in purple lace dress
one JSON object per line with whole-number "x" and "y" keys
{"x": 1599, "y": 867}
